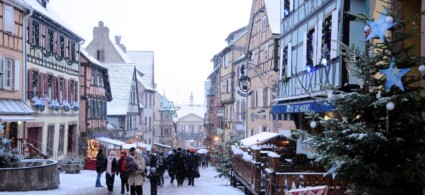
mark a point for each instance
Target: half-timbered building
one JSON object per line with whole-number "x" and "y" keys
{"x": 310, "y": 55}
{"x": 52, "y": 84}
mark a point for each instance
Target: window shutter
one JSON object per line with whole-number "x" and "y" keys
{"x": 40, "y": 35}
{"x": 58, "y": 44}
{"x": 269, "y": 99}
{"x": 304, "y": 57}
{"x": 54, "y": 88}
{"x": 30, "y": 32}
{"x": 65, "y": 90}
{"x": 30, "y": 86}
{"x": 55, "y": 45}
{"x": 46, "y": 84}
{"x": 260, "y": 98}
{"x": 291, "y": 5}
{"x": 76, "y": 88}
{"x": 334, "y": 34}
{"x": 1, "y": 71}
{"x": 76, "y": 56}
{"x": 46, "y": 39}
{"x": 289, "y": 61}
{"x": 17, "y": 78}
{"x": 315, "y": 48}
{"x": 40, "y": 87}
{"x": 9, "y": 19}
{"x": 69, "y": 91}
{"x": 282, "y": 13}
{"x": 58, "y": 91}
{"x": 319, "y": 42}
{"x": 66, "y": 47}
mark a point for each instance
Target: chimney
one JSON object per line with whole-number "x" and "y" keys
{"x": 117, "y": 39}
{"x": 101, "y": 32}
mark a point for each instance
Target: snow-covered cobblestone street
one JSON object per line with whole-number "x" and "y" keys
{"x": 84, "y": 183}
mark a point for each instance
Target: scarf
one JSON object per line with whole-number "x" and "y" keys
{"x": 109, "y": 165}
{"x": 123, "y": 164}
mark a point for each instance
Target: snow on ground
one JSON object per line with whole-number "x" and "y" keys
{"x": 84, "y": 183}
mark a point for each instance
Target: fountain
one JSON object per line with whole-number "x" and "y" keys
{"x": 29, "y": 175}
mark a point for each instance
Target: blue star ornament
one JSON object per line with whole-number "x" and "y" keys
{"x": 394, "y": 75}
{"x": 379, "y": 27}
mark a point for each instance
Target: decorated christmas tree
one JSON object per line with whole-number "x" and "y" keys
{"x": 223, "y": 155}
{"x": 8, "y": 157}
{"x": 375, "y": 138}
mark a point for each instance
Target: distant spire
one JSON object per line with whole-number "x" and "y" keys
{"x": 191, "y": 99}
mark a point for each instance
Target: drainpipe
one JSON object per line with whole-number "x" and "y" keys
{"x": 24, "y": 52}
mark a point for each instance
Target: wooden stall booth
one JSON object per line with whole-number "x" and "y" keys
{"x": 104, "y": 143}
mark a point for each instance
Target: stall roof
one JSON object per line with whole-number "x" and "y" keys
{"x": 140, "y": 144}
{"x": 162, "y": 145}
{"x": 263, "y": 137}
{"x": 110, "y": 141}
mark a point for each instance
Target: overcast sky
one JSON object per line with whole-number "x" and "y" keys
{"x": 184, "y": 34}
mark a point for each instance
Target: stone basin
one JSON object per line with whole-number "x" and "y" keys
{"x": 30, "y": 175}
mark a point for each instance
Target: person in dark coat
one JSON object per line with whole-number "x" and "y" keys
{"x": 180, "y": 166}
{"x": 192, "y": 167}
{"x": 100, "y": 166}
{"x": 122, "y": 163}
{"x": 170, "y": 165}
{"x": 161, "y": 168}
{"x": 111, "y": 168}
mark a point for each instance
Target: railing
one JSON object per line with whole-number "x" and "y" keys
{"x": 29, "y": 143}
{"x": 249, "y": 172}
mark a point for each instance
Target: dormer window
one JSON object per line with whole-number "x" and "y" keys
{"x": 43, "y": 3}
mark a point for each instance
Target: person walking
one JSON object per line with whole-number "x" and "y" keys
{"x": 192, "y": 167}
{"x": 111, "y": 170}
{"x": 170, "y": 165}
{"x": 122, "y": 167}
{"x": 100, "y": 166}
{"x": 136, "y": 179}
{"x": 161, "y": 168}
{"x": 180, "y": 166}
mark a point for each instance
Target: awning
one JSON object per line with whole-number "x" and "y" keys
{"x": 110, "y": 141}
{"x": 301, "y": 107}
{"x": 16, "y": 118}
{"x": 14, "y": 107}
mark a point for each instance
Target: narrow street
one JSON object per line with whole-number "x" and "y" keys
{"x": 84, "y": 183}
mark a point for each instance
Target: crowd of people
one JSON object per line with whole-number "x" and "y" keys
{"x": 133, "y": 168}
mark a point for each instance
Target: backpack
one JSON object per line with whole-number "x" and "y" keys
{"x": 132, "y": 167}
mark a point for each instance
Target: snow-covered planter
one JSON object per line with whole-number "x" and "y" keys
{"x": 54, "y": 105}
{"x": 38, "y": 103}
{"x": 65, "y": 105}
{"x": 74, "y": 106}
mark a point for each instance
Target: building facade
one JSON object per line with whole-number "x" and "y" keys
{"x": 164, "y": 131}
{"x": 95, "y": 92}
{"x": 123, "y": 112}
{"x": 52, "y": 89}
{"x": 14, "y": 112}
{"x": 310, "y": 54}
{"x": 262, "y": 64}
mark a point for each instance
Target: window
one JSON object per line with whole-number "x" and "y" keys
{"x": 9, "y": 19}
{"x": 310, "y": 48}
{"x": 6, "y": 67}
{"x": 192, "y": 129}
{"x": 183, "y": 129}
{"x": 35, "y": 33}
{"x": 263, "y": 23}
{"x": 287, "y": 7}
{"x": 325, "y": 47}
{"x": 62, "y": 45}
{"x": 266, "y": 52}
{"x": 50, "y": 40}
{"x": 50, "y": 139}
{"x": 225, "y": 60}
{"x": 100, "y": 55}
{"x": 61, "y": 139}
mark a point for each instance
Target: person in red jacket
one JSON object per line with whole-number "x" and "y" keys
{"x": 122, "y": 163}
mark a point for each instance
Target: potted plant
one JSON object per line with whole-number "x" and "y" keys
{"x": 65, "y": 105}
{"x": 54, "y": 105}
{"x": 38, "y": 103}
{"x": 74, "y": 106}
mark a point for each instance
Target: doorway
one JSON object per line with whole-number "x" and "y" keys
{"x": 72, "y": 139}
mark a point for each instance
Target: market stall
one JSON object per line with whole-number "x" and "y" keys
{"x": 93, "y": 146}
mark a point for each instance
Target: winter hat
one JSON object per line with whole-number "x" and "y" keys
{"x": 124, "y": 152}
{"x": 132, "y": 149}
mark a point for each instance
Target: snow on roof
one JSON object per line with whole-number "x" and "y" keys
{"x": 120, "y": 79}
{"x": 273, "y": 155}
{"x": 123, "y": 55}
{"x": 273, "y": 15}
{"x": 186, "y": 109}
{"x": 143, "y": 81}
{"x": 144, "y": 61}
{"x": 50, "y": 13}
{"x": 165, "y": 103}
{"x": 260, "y": 137}
{"x": 162, "y": 145}
{"x": 91, "y": 58}
{"x": 110, "y": 141}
